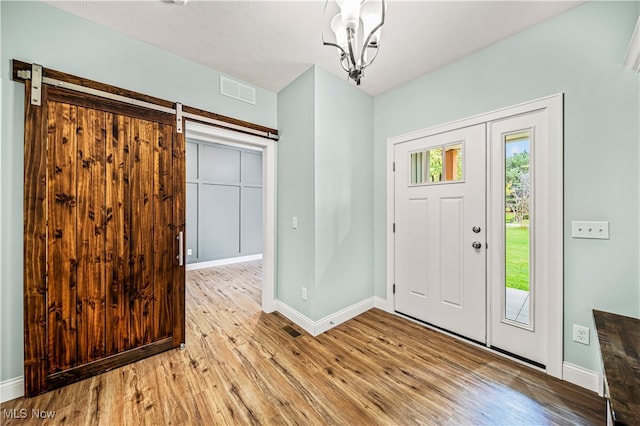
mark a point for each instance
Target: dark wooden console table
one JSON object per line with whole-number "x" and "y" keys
{"x": 619, "y": 338}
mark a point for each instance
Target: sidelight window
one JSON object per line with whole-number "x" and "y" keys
{"x": 517, "y": 231}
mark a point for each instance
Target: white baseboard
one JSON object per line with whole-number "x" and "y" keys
{"x": 221, "y": 262}
{"x": 11, "y": 389}
{"x": 582, "y": 377}
{"x": 296, "y": 317}
{"x": 318, "y": 327}
{"x": 383, "y": 304}
{"x": 345, "y": 314}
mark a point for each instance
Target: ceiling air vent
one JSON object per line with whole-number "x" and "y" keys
{"x": 237, "y": 90}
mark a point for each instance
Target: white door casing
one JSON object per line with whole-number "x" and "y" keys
{"x": 548, "y": 249}
{"x": 440, "y": 276}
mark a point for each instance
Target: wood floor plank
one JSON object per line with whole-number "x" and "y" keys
{"x": 241, "y": 367}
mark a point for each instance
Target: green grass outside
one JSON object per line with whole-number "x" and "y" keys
{"x": 517, "y": 254}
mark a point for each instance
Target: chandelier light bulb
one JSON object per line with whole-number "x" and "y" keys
{"x": 340, "y": 31}
{"x": 350, "y": 12}
{"x": 370, "y": 16}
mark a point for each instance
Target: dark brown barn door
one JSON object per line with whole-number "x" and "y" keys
{"x": 104, "y": 206}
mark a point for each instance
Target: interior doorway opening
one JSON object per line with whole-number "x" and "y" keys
{"x": 224, "y": 211}
{"x": 236, "y": 142}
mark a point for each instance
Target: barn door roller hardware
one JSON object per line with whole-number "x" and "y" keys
{"x": 179, "y": 116}
{"x": 36, "y": 73}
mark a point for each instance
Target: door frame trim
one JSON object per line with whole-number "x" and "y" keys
{"x": 554, "y": 257}
{"x": 209, "y": 133}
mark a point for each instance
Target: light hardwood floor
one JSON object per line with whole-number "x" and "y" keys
{"x": 241, "y": 367}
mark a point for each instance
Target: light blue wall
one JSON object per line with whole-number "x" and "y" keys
{"x": 36, "y": 32}
{"x": 343, "y": 194}
{"x": 324, "y": 178}
{"x": 579, "y": 53}
{"x": 296, "y": 192}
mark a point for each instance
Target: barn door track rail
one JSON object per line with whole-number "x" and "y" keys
{"x": 39, "y": 75}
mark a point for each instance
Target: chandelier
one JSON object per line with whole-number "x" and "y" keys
{"x": 357, "y": 32}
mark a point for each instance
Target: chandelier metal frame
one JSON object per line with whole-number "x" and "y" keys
{"x": 353, "y": 59}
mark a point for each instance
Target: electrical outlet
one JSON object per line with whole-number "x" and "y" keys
{"x": 581, "y": 334}
{"x": 304, "y": 293}
{"x": 189, "y": 252}
{"x": 294, "y": 223}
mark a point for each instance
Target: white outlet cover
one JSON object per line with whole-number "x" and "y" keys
{"x": 581, "y": 334}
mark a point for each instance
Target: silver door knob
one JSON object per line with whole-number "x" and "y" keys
{"x": 476, "y": 244}
{"x": 476, "y": 229}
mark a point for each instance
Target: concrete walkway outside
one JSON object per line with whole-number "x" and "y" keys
{"x": 517, "y": 305}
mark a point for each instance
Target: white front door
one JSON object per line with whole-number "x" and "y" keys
{"x": 519, "y": 234}
{"x": 440, "y": 239}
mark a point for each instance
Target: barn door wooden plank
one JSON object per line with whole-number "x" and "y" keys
{"x": 117, "y": 240}
{"x": 35, "y": 245}
{"x": 62, "y": 260}
{"x": 163, "y": 232}
{"x": 142, "y": 232}
{"x": 91, "y": 139}
{"x": 179, "y": 219}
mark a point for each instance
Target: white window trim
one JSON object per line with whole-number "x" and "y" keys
{"x": 268, "y": 147}
{"x": 554, "y": 257}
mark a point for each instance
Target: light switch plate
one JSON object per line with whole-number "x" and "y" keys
{"x": 294, "y": 223}
{"x": 595, "y": 230}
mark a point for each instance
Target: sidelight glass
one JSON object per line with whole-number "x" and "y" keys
{"x": 517, "y": 230}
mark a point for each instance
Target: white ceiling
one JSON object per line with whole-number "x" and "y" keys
{"x": 270, "y": 43}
